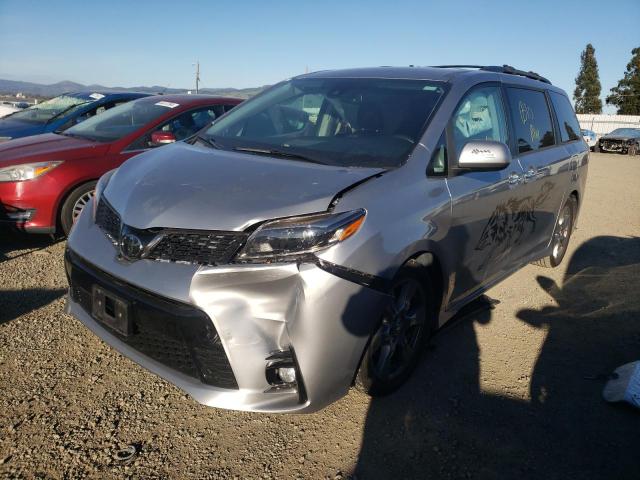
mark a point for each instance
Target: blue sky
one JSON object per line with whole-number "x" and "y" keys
{"x": 251, "y": 43}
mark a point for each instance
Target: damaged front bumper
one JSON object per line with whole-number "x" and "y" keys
{"x": 258, "y": 317}
{"x": 615, "y": 146}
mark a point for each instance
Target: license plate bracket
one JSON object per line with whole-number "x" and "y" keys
{"x": 111, "y": 310}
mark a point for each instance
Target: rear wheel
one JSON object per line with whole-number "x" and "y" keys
{"x": 396, "y": 345}
{"x": 74, "y": 204}
{"x": 561, "y": 234}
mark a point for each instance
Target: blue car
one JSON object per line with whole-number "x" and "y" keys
{"x": 60, "y": 113}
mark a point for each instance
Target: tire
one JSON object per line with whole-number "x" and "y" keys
{"x": 632, "y": 150}
{"x": 596, "y": 148}
{"x": 73, "y": 205}
{"x": 561, "y": 234}
{"x": 395, "y": 347}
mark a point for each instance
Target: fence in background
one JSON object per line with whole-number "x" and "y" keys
{"x": 603, "y": 124}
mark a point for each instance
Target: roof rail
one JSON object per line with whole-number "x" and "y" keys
{"x": 508, "y": 69}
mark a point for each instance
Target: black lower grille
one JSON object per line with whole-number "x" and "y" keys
{"x": 178, "y": 335}
{"x": 204, "y": 248}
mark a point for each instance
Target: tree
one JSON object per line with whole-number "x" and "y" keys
{"x": 626, "y": 96}
{"x": 587, "y": 92}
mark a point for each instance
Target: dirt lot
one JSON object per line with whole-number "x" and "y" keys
{"x": 513, "y": 392}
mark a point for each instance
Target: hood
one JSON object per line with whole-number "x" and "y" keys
{"x": 48, "y": 146}
{"x": 18, "y": 129}
{"x": 191, "y": 187}
{"x": 617, "y": 137}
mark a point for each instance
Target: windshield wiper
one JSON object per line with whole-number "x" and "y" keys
{"x": 277, "y": 153}
{"x": 74, "y": 135}
{"x": 209, "y": 141}
{"x": 62, "y": 112}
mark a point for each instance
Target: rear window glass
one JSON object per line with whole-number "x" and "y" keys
{"x": 569, "y": 126}
{"x": 531, "y": 119}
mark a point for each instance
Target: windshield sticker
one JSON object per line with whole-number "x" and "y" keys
{"x": 168, "y": 104}
{"x": 96, "y": 96}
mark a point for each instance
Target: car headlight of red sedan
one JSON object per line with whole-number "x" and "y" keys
{"x": 26, "y": 171}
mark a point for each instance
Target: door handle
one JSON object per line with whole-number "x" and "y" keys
{"x": 514, "y": 178}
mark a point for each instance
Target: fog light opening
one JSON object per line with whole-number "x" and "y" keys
{"x": 286, "y": 374}
{"x": 15, "y": 214}
{"x": 283, "y": 374}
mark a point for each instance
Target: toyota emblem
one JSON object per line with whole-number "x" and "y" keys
{"x": 131, "y": 246}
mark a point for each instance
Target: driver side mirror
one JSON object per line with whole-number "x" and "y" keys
{"x": 160, "y": 138}
{"x": 484, "y": 155}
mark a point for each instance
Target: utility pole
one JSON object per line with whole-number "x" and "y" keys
{"x": 197, "y": 75}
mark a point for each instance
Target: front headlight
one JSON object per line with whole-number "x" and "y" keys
{"x": 295, "y": 238}
{"x": 100, "y": 186}
{"x": 26, "y": 171}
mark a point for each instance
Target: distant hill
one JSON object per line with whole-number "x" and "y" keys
{"x": 40, "y": 90}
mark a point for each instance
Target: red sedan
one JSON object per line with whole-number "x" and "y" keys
{"x": 46, "y": 180}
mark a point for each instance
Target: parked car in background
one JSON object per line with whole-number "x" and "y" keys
{"x": 60, "y": 113}
{"x": 621, "y": 140}
{"x": 46, "y": 180}
{"x": 590, "y": 138}
{"x": 7, "y": 108}
{"x": 319, "y": 233}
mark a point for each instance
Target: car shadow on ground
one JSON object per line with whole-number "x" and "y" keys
{"x": 442, "y": 425}
{"x": 14, "y": 303}
{"x": 11, "y": 241}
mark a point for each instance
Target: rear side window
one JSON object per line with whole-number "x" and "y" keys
{"x": 531, "y": 119}
{"x": 182, "y": 126}
{"x": 569, "y": 126}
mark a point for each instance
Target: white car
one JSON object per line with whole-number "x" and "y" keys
{"x": 7, "y": 109}
{"x": 590, "y": 137}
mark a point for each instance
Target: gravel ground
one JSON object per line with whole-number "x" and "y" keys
{"x": 508, "y": 392}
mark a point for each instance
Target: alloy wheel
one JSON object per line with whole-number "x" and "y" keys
{"x": 80, "y": 204}
{"x": 563, "y": 232}
{"x": 395, "y": 344}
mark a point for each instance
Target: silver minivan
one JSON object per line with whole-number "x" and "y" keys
{"x": 314, "y": 237}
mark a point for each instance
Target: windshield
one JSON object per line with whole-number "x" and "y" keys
{"x": 356, "y": 122}
{"x": 46, "y": 111}
{"x": 122, "y": 120}
{"x": 626, "y": 132}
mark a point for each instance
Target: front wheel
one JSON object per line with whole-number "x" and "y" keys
{"x": 74, "y": 204}
{"x": 561, "y": 234}
{"x": 396, "y": 345}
